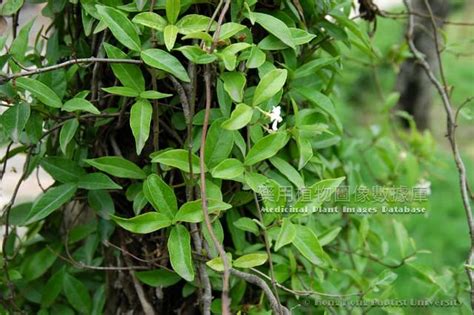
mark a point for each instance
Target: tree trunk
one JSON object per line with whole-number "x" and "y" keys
{"x": 413, "y": 84}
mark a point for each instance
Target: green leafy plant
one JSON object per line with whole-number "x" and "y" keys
{"x": 174, "y": 131}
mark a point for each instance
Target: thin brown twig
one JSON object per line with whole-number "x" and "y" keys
{"x": 6, "y": 212}
{"x": 217, "y": 33}
{"x": 442, "y": 89}
{"x": 269, "y": 254}
{"x": 376, "y": 259}
{"x": 182, "y": 97}
{"x": 82, "y": 265}
{"x": 395, "y": 15}
{"x": 253, "y": 279}
{"x": 303, "y": 292}
{"x": 4, "y": 168}
{"x": 6, "y": 78}
{"x": 147, "y": 261}
{"x": 142, "y": 297}
{"x": 218, "y": 246}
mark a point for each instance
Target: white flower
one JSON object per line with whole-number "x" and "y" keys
{"x": 275, "y": 117}
{"x": 329, "y": 18}
{"x": 28, "y": 97}
{"x": 403, "y": 155}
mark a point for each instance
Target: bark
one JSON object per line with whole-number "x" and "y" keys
{"x": 414, "y": 86}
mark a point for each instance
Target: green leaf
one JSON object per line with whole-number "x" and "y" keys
{"x": 140, "y": 121}
{"x": 122, "y": 91}
{"x": 179, "y": 248}
{"x": 318, "y": 193}
{"x": 19, "y": 46}
{"x": 67, "y": 133}
{"x": 320, "y": 100}
{"x": 178, "y": 158}
{"x": 228, "y": 169}
{"x": 192, "y": 211}
{"x": 402, "y": 237}
{"x": 77, "y": 294}
{"x": 197, "y": 55}
{"x": 162, "y": 60}
{"x": 37, "y": 264}
{"x": 234, "y": 83}
{"x": 193, "y": 23}
{"x": 117, "y": 166}
{"x": 41, "y": 91}
{"x": 301, "y": 37}
{"x": 96, "y": 181}
{"x": 229, "y": 54}
{"x": 289, "y": 171}
{"x": 384, "y": 279}
{"x": 224, "y": 100}
{"x": 98, "y": 300}
{"x": 275, "y": 27}
{"x": 101, "y": 202}
{"x": 307, "y": 243}
{"x": 154, "y": 95}
{"x": 269, "y": 85}
{"x": 256, "y": 59}
{"x": 266, "y": 147}
{"x": 328, "y": 236}
{"x": 62, "y": 169}
{"x": 160, "y": 195}
{"x": 247, "y": 224}
{"x": 240, "y": 117}
{"x": 158, "y": 277}
{"x": 10, "y": 7}
{"x": 169, "y": 33}
{"x": 255, "y": 180}
{"x": 14, "y": 120}
{"x": 310, "y": 68}
{"x": 139, "y": 202}
{"x": 287, "y": 234}
{"x": 80, "y": 104}
{"x": 150, "y": 19}
{"x": 217, "y": 264}
{"x": 51, "y": 200}
{"x": 305, "y": 151}
{"x": 144, "y": 223}
{"x": 140, "y": 4}
{"x": 250, "y": 260}
{"x": 199, "y": 35}
{"x": 52, "y": 288}
{"x": 120, "y": 26}
{"x": 172, "y": 10}
{"x": 219, "y": 144}
{"x": 230, "y": 29}
{"x": 129, "y": 75}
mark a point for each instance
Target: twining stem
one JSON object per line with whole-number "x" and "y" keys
{"x": 6, "y": 78}
{"x": 217, "y": 244}
{"x": 442, "y": 89}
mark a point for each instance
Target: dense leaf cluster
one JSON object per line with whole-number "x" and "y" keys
{"x": 121, "y": 137}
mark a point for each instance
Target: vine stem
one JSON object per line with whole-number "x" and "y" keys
{"x": 6, "y": 212}
{"x": 6, "y": 78}
{"x": 442, "y": 89}
{"x": 219, "y": 246}
{"x": 277, "y": 308}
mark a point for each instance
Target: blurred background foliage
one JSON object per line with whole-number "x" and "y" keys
{"x": 366, "y": 84}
